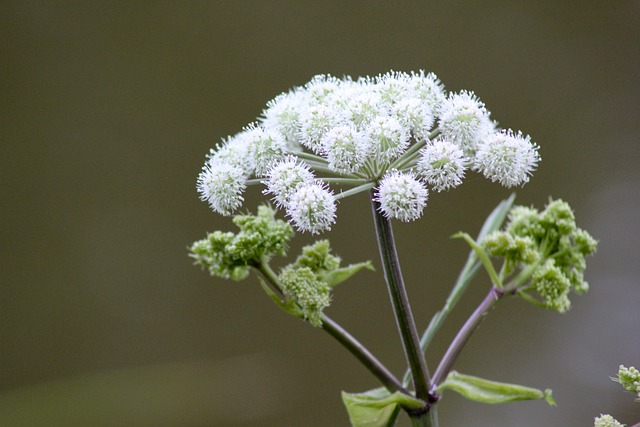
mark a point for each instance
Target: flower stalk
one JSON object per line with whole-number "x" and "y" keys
{"x": 400, "y": 302}
{"x": 348, "y": 341}
{"x": 456, "y": 346}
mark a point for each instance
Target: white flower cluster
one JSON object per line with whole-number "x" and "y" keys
{"x": 400, "y": 133}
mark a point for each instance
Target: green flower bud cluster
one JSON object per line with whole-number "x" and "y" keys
{"x": 310, "y": 294}
{"x": 606, "y": 421}
{"x": 629, "y": 378}
{"x": 546, "y": 249}
{"x": 303, "y": 281}
{"x": 230, "y": 255}
{"x": 308, "y": 281}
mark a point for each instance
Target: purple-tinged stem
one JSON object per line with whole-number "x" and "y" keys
{"x": 450, "y": 357}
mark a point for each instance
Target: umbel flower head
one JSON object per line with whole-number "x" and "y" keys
{"x": 544, "y": 252}
{"x": 399, "y": 133}
{"x": 230, "y": 255}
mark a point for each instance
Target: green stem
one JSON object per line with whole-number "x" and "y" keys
{"x": 355, "y": 190}
{"x": 343, "y": 181}
{"x": 400, "y": 301}
{"x": 467, "y": 273}
{"x": 365, "y": 357}
{"x": 426, "y": 419}
{"x": 493, "y": 222}
{"x": 408, "y": 156}
{"x": 347, "y": 340}
{"x": 309, "y": 156}
{"x": 264, "y": 268}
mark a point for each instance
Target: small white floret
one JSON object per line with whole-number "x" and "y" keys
{"x": 389, "y": 139}
{"x": 346, "y": 148}
{"x": 284, "y": 178}
{"x": 312, "y": 208}
{"x": 264, "y": 148}
{"x": 465, "y": 121}
{"x": 442, "y": 164}
{"x": 222, "y": 185}
{"x": 401, "y": 196}
{"x": 507, "y": 157}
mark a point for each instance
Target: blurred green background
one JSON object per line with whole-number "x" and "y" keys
{"x": 107, "y": 112}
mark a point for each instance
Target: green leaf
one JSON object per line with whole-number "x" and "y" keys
{"x": 377, "y": 407}
{"x": 483, "y": 256}
{"x": 485, "y": 391}
{"x": 337, "y": 276}
{"x": 496, "y": 218}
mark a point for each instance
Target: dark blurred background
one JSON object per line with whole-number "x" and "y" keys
{"x": 107, "y": 112}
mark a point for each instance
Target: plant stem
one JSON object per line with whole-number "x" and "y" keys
{"x": 493, "y": 222}
{"x": 347, "y": 340}
{"x": 355, "y": 190}
{"x": 436, "y": 321}
{"x": 400, "y": 303}
{"x": 365, "y": 357}
{"x": 450, "y": 357}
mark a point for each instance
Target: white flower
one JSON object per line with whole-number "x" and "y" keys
{"x": 264, "y": 147}
{"x": 345, "y": 148}
{"x": 232, "y": 151}
{"x": 322, "y": 86}
{"x": 364, "y": 105}
{"x": 393, "y": 87}
{"x": 388, "y": 137}
{"x": 284, "y": 178}
{"x": 314, "y": 123}
{"x": 283, "y": 115}
{"x": 442, "y": 164}
{"x": 312, "y": 208}
{"x": 507, "y": 158}
{"x": 416, "y": 115}
{"x": 401, "y": 196}
{"x": 222, "y": 185}
{"x": 464, "y": 120}
{"x": 429, "y": 89}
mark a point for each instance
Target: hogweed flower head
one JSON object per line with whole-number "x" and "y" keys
{"x": 351, "y": 134}
{"x": 465, "y": 120}
{"x": 221, "y": 185}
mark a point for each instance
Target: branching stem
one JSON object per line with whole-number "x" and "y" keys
{"x": 347, "y": 340}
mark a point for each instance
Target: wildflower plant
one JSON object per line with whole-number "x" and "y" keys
{"x": 395, "y": 137}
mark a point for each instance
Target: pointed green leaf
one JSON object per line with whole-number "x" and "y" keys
{"x": 485, "y": 391}
{"x": 377, "y": 407}
{"x": 496, "y": 217}
{"x": 483, "y": 256}
{"x": 335, "y": 277}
